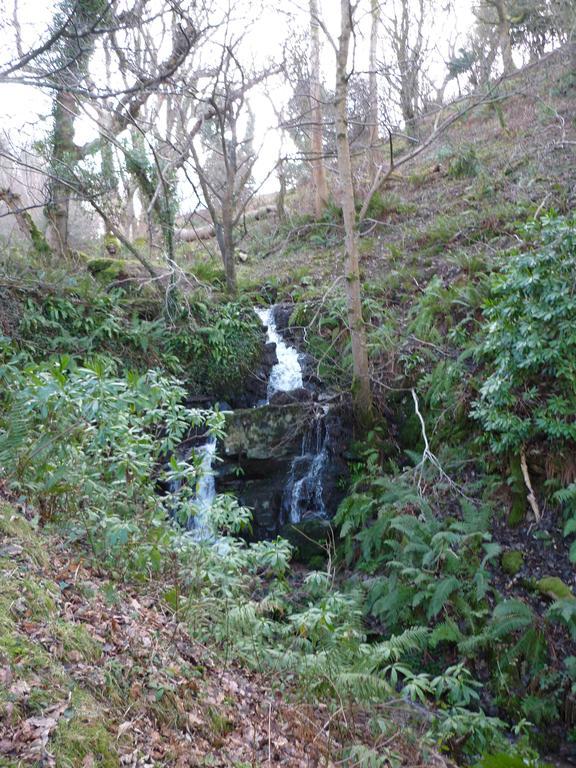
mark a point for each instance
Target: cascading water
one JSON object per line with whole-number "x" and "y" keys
{"x": 303, "y": 495}
{"x": 304, "y": 492}
{"x": 198, "y": 523}
{"x": 287, "y": 373}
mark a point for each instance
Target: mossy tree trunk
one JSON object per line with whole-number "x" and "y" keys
{"x": 64, "y": 156}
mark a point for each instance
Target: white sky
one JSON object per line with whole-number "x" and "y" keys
{"x": 25, "y": 111}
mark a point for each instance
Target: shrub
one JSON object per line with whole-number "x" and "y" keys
{"x": 530, "y": 345}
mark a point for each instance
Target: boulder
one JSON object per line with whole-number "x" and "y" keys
{"x": 266, "y": 432}
{"x": 299, "y": 395}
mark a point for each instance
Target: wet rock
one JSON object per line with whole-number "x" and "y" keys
{"x": 300, "y": 395}
{"x": 281, "y": 314}
{"x": 268, "y": 450}
{"x": 309, "y": 538}
{"x": 266, "y": 432}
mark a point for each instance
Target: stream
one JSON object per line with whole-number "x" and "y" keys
{"x": 297, "y": 480}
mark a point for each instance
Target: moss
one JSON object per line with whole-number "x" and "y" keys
{"x": 106, "y": 267}
{"x": 14, "y": 525}
{"x": 23, "y": 654}
{"x": 512, "y": 562}
{"x": 75, "y": 639}
{"x": 82, "y": 733}
{"x": 554, "y": 587}
{"x": 309, "y": 538}
{"x": 112, "y": 244}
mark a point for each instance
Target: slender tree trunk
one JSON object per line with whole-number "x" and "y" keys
{"x": 373, "y": 90}
{"x": 63, "y": 160}
{"x": 281, "y": 196}
{"x": 318, "y": 170}
{"x": 225, "y": 238}
{"x": 361, "y": 382}
{"x": 25, "y": 222}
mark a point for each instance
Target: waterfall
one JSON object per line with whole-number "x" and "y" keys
{"x": 286, "y": 374}
{"x": 199, "y": 522}
{"x": 304, "y": 492}
{"x": 303, "y": 496}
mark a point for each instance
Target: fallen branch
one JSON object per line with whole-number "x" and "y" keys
{"x": 531, "y": 495}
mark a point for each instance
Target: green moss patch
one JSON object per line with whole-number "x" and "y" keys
{"x": 512, "y": 562}
{"x": 554, "y": 587}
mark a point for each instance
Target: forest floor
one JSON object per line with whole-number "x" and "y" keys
{"x": 115, "y": 676}
{"x": 99, "y": 672}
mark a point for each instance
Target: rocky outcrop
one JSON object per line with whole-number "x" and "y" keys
{"x": 267, "y": 450}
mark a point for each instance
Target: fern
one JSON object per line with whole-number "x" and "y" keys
{"x": 442, "y": 592}
{"x": 363, "y": 686}
{"x": 510, "y": 616}
{"x": 397, "y": 646}
{"x": 447, "y": 632}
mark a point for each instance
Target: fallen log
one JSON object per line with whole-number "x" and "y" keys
{"x": 192, "y": 234}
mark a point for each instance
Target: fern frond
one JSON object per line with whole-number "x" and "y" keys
{"x": 362, "y": 686}
{"x": 510, "y": 616}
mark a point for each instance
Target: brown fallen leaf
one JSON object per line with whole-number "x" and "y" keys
{"x": 124, "y": 727}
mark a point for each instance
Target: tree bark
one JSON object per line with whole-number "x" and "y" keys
{"x": 225, "y": 239}
{"x": 505, "y": 41}
{"x": 318, "y": 170}
{"x": 281, "y": 196}
{"x": 361, "y": 391}
{"x": 373, "y": 90}
{"x": 64, "y": 157}
{"x": 25, "y": 222}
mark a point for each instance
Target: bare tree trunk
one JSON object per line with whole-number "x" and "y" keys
{"x": 318, "y": 170}
{"x": 373, "y": 90}
{"x": 225, "y": 238}
{"x": 361, "y": 391}
{"x": 281, "y": 196}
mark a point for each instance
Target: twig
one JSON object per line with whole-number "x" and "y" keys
{"x": 427, "y": 455}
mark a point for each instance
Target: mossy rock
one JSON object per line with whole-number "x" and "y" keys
{"x": 112, "y": 244}
{"x": 107, "y": 270}
{"x": 512, "y": 562}
{"x": 554, "y": 587}
{"x": 309, "y": 538}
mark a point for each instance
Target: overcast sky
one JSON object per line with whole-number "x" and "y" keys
{"x": 25, "y": 111}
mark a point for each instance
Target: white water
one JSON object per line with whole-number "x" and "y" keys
{"x": 199, "y": 524}
{"x": 305, "y": 496}
{"x": 286, "y": 374}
